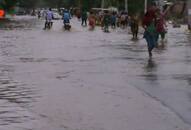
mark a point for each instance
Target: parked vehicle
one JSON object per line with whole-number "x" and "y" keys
{"x": 56, "y": 16}
{"x": 21, "y": 11}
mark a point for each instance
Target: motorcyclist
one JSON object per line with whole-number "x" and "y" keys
{"x": 66, "y": 17}
{"x": 39, "y": 14}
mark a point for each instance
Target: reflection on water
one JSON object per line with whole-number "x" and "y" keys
{"x": 166, "y": 76}
{"x": 189, "y": 39}
{"x": 14, "y": 92}
{"x": 15, "y": 98}
{"x": 151, "y": 65}
{"x": 154, "y": 76}
{"x": 151, "y": 72}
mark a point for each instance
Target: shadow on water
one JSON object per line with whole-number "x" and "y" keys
{"x": 167, "y": 76}
{"x": 150, "y": 71}
{"x": 151, "y": 65}
{"x": 189, "y": 39}
{"x": 15, "y": 98}
{"x": 147, "y": 78}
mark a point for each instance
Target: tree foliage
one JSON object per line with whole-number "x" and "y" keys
{"x": 29, "y": 4}
{"x": 7, "y": 5}
{"x": 134, "y": 6}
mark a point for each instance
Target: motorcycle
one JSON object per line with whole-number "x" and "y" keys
{"x": 67, "y": 25}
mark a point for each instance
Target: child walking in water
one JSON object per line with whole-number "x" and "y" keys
{"x": 92, "y": 20}
{"x": 134, "y": 22}
{"x": 160, "y": 25}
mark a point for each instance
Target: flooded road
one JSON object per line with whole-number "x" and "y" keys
{"x": 90, "y": 80}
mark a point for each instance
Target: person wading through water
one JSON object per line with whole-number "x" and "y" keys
{"x": 134, "y": 23}
{"x": 92, "y": 21}
{"x": 149, "y": 24}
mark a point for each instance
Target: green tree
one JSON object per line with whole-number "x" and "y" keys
{"x": 54, "y": 3}
{"x": 8, "y": 5}
{"x": 29, "y": 4}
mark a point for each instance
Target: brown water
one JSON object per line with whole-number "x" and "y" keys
{"x": 38, "y": 67}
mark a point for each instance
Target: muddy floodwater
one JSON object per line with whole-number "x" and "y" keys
{"x": 91, "y": 80}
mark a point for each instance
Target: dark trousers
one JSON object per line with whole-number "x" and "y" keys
{"x": 84, "y": 21}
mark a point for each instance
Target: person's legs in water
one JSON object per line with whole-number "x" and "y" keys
{"x": 82, "y": 22}
{"x": 136, "y": 34}
{"x": 106, "y": 27}
{"x": 51, "y": 24}
{"x": 48, "y": 24}
{"x": 151, "y": 42}
{"x": 137, "y": 30}
{"x": 151, "y": 45}
{"x": 133, "y": 31}
{"x": 189, "y": 27}
{"x": 45, "y": 25}
{"x": 156, "y": 38}
{"x": 85, "y": 22}
{"x": 162, "y": 35}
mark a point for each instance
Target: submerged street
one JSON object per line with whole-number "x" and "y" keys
{"x": 91, "y": 80}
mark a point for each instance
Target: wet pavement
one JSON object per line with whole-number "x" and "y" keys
{"x": 90, "y": 80}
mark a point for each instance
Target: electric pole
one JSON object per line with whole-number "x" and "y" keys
{"x": 126, "y": 5}
{"x": 145, "y": 6}
{"x": 189, "y": 14}
{"x": 102, "y": 4}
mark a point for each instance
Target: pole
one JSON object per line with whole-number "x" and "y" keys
{"x": 161, "y": 5}
{"x": 103, "y": 4}
{"x": 145, "y": 6}
{"x": 126, "y": 5}
{"x": 189, "y": 14}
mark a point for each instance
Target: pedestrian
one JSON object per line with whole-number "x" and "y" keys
{"x": 113, "y": 20}
{"x": 123, "y": 20}
{"x": 160, "y": 26}
{"x": 134, "y": 23}
{"x": 92, "y": 20}
{"x": 84, "y": 18}
{"x": 106, "y": 21}
{"x": 118, "y": 20}
{"x": 150, "y": 34}
{"x": 189, "y": 27}
{"x": 161, "y": 23}
{"x": 39, "y": 14}
{"x": 78, "y": 14}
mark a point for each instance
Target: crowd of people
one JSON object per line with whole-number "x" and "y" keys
{"x": 107, "y": 19}
{"x": 153, "y": 22}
